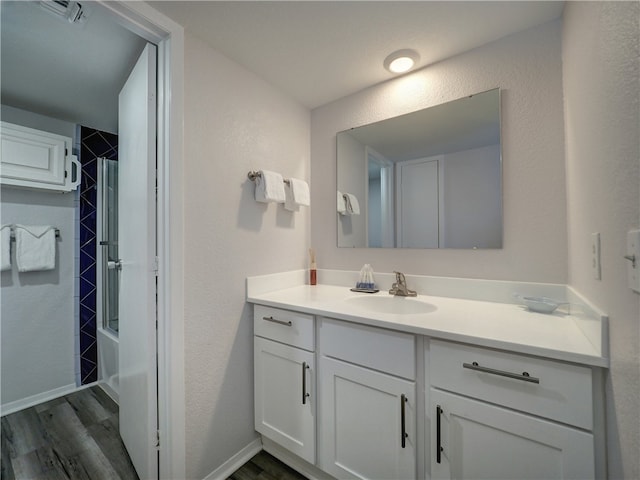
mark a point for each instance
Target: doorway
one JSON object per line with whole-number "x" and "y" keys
{"x": 153, "y": 27}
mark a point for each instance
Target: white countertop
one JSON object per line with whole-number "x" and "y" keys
{"x": 496, "y": 325}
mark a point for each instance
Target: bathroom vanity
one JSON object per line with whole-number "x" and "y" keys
{"x": 372, "y": 386}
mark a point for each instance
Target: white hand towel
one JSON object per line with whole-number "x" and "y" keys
{"x": 297, "y": 194}
{"x": 353, "y": 207}
{"x": 35, "y": 247}
{"x": 269, "y": 187}
{"x": 342, "y": 206}
{"x": 5, "y": 247}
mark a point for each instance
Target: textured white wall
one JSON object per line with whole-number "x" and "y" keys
{"x": 527, "y": 66}
{"x": 234, "y": 122}
{"x": 602, "y": 117}
{"x": 38, "y": 319}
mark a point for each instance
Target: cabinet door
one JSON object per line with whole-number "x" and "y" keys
{"x": 32, "y": 156}
{"x": 478, "y": 440}
{"x": 364, "y": 416}
{"x": 284, "y": 396}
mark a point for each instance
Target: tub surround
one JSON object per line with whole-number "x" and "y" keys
{"x": 479, "y": 312}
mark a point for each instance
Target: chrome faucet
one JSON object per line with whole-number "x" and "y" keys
{"x": 399, "y": 288}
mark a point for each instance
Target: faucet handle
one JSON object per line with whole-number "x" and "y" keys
{"x": 400, "y": 278}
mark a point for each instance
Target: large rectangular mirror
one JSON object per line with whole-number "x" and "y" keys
{"x": 427, "y": 179}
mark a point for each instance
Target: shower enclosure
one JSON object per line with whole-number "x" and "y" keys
{"x": 108, "y": 242}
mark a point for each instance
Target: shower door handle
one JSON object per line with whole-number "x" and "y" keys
{"x": 114, "y": 265}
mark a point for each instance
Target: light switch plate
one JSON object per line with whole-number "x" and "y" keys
{"x": 633, "y": 260}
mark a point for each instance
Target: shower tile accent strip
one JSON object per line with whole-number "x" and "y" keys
{"x": 94, "y": 144}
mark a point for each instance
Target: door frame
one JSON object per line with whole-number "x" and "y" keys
{"x": 156, "y": 28}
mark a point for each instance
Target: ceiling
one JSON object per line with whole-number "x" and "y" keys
{"x": 314, "y": 51}
{"x": 320, "y": 51}
{"x": 70, "y": 72}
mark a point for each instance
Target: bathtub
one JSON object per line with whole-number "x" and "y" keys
{"x": 108, "y": 362}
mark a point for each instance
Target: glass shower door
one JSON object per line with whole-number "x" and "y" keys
{"x": 108, "y": 204}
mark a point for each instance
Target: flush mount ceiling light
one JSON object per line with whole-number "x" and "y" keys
{"x": 401, "y": 61}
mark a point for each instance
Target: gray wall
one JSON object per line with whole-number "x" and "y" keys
{"x": 234, "y": 122}
{"x": 602, "y": 109}
{"x": 38, "y": 312}
{"x": 527, "y": 66}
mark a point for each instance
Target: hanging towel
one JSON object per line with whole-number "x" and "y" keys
{"x": 297, "y": 194}
{"x": 5, "y": 247}
{"x": 269, "y": 187}
{"x": 342, "y": 206}
{"x": 35, "y": 247}
{"x": 353, "y": 207}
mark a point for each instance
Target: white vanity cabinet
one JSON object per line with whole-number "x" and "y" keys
{"x": 367, "y": 427}
{"x": 35, "y": 159}
{"x": 500, "y": 415}
{"x": 284, "y": 369}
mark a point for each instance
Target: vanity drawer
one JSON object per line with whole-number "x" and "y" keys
{"x": 383, "y": 350}
{"x": 285, "y": 326}
{"x": 564, "y": 392}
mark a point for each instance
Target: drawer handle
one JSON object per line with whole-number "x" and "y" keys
{"x": 305, "y": 395}
{"x": 524, "y": 376}
{"x": 275, "y": 320}
{"x": 403, "y": 434}
{"x": 438, "y": 431}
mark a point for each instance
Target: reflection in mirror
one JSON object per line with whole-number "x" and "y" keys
{"x": 427, "y": 179}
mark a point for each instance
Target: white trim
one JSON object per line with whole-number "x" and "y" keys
{"x": 299, "y": 465}
{"x": 236, "y": 461}
{"x": 27, "y": 402}
{"x": 155, "y": 27}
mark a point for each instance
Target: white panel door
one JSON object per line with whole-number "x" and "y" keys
{"x": 136, "y": 241}
{"x": 480, "y": 441}
{"x": 364, "y": 415}
{"x": 285, "y": 396}
{"x": 418, "y": 203}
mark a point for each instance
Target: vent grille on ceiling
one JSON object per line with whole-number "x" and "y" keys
{"x": 69, "y": 10}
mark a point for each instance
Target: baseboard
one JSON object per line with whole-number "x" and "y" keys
{"x": 106, "y": 388}
{"x": 299, "y": 465}
{"x": 27, "y": 402}
{"x": 234, "y": 463}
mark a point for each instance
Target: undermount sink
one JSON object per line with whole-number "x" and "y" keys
{"x": 392, "y": 305}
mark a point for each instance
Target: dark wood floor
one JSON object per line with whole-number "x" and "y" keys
{"x": 265, "y": 467}
{"x": 71, "y": 437}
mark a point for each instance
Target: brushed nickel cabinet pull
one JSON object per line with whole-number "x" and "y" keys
{"x": 524, "y": 376}
{"x": 274, "y": 320}
{"x": 403, "y": 434}
{"x": 305, "y": 395}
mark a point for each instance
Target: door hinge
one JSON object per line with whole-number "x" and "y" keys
{"x": 157, "y": 438}
{"x": 156, "y": 265}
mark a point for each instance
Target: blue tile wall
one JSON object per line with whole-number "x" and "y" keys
{"x": 94, "y": 144}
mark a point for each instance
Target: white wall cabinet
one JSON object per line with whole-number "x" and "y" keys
{"x": 285, "y": 380}
{"x": 35, "y": 159}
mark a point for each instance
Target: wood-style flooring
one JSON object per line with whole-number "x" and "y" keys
{"x": 76, "y": 437}
{"x": 265, "y": 467}
{"x": 68, "y": 438}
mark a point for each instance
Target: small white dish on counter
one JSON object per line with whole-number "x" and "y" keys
{"x": 540, "y": 304}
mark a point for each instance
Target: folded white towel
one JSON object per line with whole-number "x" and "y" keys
{"x": 269, "y": 187}
{"x": 5, "y": 247}
{"x": 297, "y": 194}
{"x": 353, "y": 207}
{"x": 35, "y": 247}
{"x": 342, "y": 206}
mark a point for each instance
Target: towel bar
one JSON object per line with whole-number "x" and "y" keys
{"x": 13, "y": 235}
{"x": 252, "y": 175}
